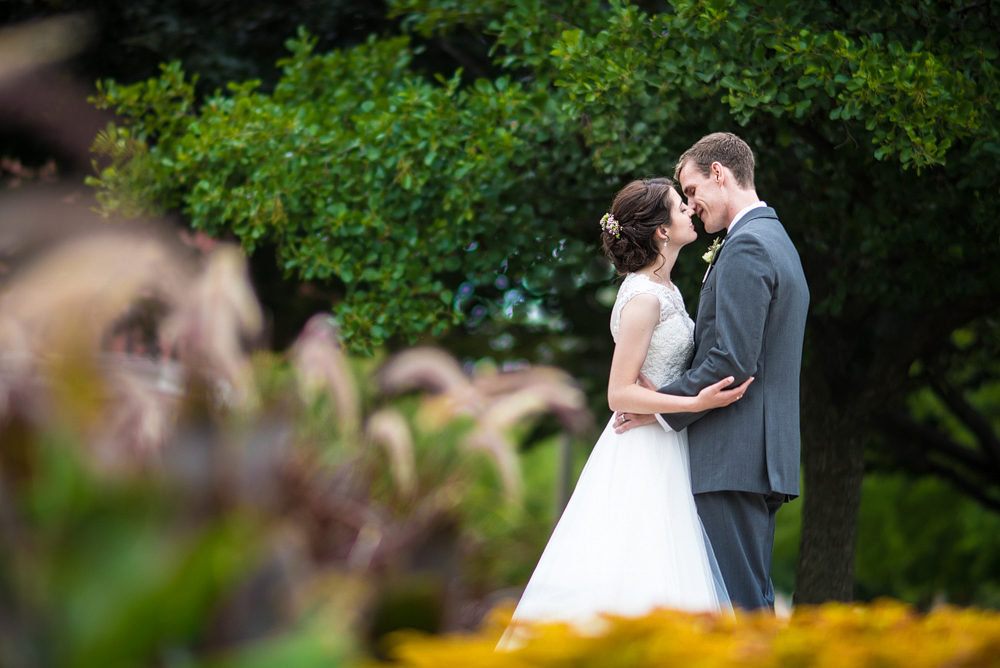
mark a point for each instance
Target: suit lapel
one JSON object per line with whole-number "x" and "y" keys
{"x": 737, "y": 228}
{"x": 753, "y": 214}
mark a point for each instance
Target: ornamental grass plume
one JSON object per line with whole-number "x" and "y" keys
{"x": 497, "y": 402}
{"x": 61, "y": 301}
{"x": 389, "y": 429}
{"x": 106, "y": 325}
{"x": 321, "y": 368}
{"x": 29, "y": 46}
{"x": 209, "y": 327}
{"x": 428, "y": 369}
{"x": 74, "y": 292}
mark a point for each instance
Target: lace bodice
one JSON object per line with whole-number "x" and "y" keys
{"x": 672, "y": 345}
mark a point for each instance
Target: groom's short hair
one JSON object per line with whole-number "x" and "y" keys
{"x": 722, "y": 147}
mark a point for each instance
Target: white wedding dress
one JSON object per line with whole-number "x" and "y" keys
{"x": 630, "y": 539}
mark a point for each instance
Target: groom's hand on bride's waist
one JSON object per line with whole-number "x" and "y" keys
{"x": 625, "y": 421}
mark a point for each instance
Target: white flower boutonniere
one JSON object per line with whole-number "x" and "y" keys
{"x": 712, "y": 250}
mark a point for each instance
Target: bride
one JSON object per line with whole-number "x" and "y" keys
{"x": 630, "y": 539}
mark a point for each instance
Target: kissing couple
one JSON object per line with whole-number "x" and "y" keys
{"x": 676, "y": 504}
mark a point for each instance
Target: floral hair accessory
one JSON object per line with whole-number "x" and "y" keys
{"x": 610, "y": 225}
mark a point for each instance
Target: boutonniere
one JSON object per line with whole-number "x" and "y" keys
{"x": 709, "y": 256}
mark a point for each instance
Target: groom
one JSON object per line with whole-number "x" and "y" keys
{"x": 751, "y": 319}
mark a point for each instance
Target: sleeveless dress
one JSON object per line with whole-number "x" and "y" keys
{"x": 630, "y": 539}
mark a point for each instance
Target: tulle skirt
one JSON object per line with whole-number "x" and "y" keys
{"x": 630, "y": 539}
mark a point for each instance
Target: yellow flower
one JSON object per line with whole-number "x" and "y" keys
{"x": 834, "y": 635}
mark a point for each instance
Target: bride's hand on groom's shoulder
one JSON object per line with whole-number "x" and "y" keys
{"x": 716, "y": 395}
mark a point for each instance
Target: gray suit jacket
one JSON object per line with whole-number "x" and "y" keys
{"x": 751, "y": 321}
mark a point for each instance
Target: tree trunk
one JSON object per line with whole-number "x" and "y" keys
{"x": 833, "y": 463}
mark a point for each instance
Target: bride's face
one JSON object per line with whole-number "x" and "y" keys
{"x": 682, "y": 230}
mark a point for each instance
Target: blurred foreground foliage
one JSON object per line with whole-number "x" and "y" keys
{"x": 884, "y": 635}
{"x": 203, "y": 503}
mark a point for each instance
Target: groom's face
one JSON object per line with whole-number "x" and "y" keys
{"x": 704, "y": 196}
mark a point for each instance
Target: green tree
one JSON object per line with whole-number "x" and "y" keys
{"x": 874, "y": 128}
{"x": 949, "y": 425}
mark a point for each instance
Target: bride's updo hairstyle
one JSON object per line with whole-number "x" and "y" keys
{"x": 627, "y": 233}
